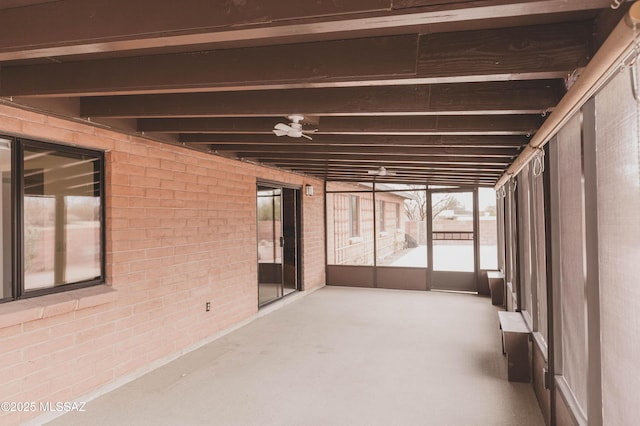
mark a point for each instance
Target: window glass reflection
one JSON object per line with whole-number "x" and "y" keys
{"x": 62, "y": 238}
{"x": 5, "y": 220}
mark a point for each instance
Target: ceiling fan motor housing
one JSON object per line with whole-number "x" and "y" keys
{"x": 295, "y": 118}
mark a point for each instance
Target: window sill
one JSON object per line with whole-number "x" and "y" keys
{"x": 21, "y": 311}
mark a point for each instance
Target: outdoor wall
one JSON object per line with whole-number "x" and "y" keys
{"x": 180, "y": 232}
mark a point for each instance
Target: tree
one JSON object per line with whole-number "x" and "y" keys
{"x": 446, "y": 202}
{"x": 491, "y": 210}
{"x": 416, "y": 206}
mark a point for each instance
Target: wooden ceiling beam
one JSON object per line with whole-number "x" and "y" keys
{"x": 307, "y": 150}
{"x": 369, "y": 163}
{"x": 427, "y": 181}
{"x": 362, "y": 141}
{"x": 437, "y": 125}
{"x": 408, "y": 167}
{"x": 394, "y": 179}
{"x": 396, "y": 176}
{"x": 76, "y": 27}
{"x": 450, "y": 159}
{"x": 506, "y": 53}
{"x": 534, "y": 52}
{"x": 227, "y": 125}
{"x": 496, "y": 125}
{"x": 319, "y": 64}
{"x": 397, "y": 172}
{"x": 362, "y": 175}
{"x": 510, "y": 97}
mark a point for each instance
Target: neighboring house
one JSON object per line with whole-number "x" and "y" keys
{"x": 351, "y": 214}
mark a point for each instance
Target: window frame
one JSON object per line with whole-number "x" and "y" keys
{"x": 381, "y": 217}
{"x": 354, "y": 216}
{"x": 18, "y": 147}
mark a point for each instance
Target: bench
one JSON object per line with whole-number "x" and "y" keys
{"x": 515, "y": 345}
{"x": 496, "y": 287}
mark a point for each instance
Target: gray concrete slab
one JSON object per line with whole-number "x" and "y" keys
{"x": 340, "y": 356}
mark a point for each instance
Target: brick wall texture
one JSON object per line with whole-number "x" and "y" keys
{"x": 181, "y": 231}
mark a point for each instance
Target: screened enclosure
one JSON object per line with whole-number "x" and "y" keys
{"x": 409, "y": 236}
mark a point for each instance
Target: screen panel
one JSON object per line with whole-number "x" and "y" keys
{"x": 572, "y": 266}
{"x": 350, "y": 228}
{"x": 618, "y": 170}
{"x": 524, "y": 227}
{"x": 538, "y": 221}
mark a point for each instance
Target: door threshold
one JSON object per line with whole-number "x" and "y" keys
{"x": 278, "y": 299}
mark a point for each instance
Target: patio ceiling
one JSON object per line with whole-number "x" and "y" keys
{"x": 444, "y": 92}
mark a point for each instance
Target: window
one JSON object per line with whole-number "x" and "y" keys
{"x": 354, "y": 216}
{"x": 56, "y": 194}
{"x": 381, "y": 219}
{"x": 350, "y": 226}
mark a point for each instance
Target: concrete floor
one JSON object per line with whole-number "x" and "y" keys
{"x": 340, "y": 356}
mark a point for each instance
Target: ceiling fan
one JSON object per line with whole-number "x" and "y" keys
{"x": 382, "y": 171}
{"x": 293, "y": 129}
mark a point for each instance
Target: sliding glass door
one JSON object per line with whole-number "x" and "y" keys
{"x": 278, "y": 242}
{"x": 270, "y": 242}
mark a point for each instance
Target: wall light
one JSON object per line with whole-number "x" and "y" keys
{"x": 308, "y": 190}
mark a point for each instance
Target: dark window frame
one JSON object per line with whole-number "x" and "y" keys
{"x": 18, "y": 146}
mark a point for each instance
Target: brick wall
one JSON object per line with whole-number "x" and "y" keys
{"x": 181, "y": 231}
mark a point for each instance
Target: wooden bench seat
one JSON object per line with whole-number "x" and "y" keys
{"x": 515, "y": 344}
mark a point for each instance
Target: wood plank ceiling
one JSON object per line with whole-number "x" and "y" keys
{"x": 443, "y": 92}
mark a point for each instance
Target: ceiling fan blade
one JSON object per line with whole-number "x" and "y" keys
{"x": 293, "y": 129}
{"x": 372, "y": 172}
{"x": 281, "y": 126}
